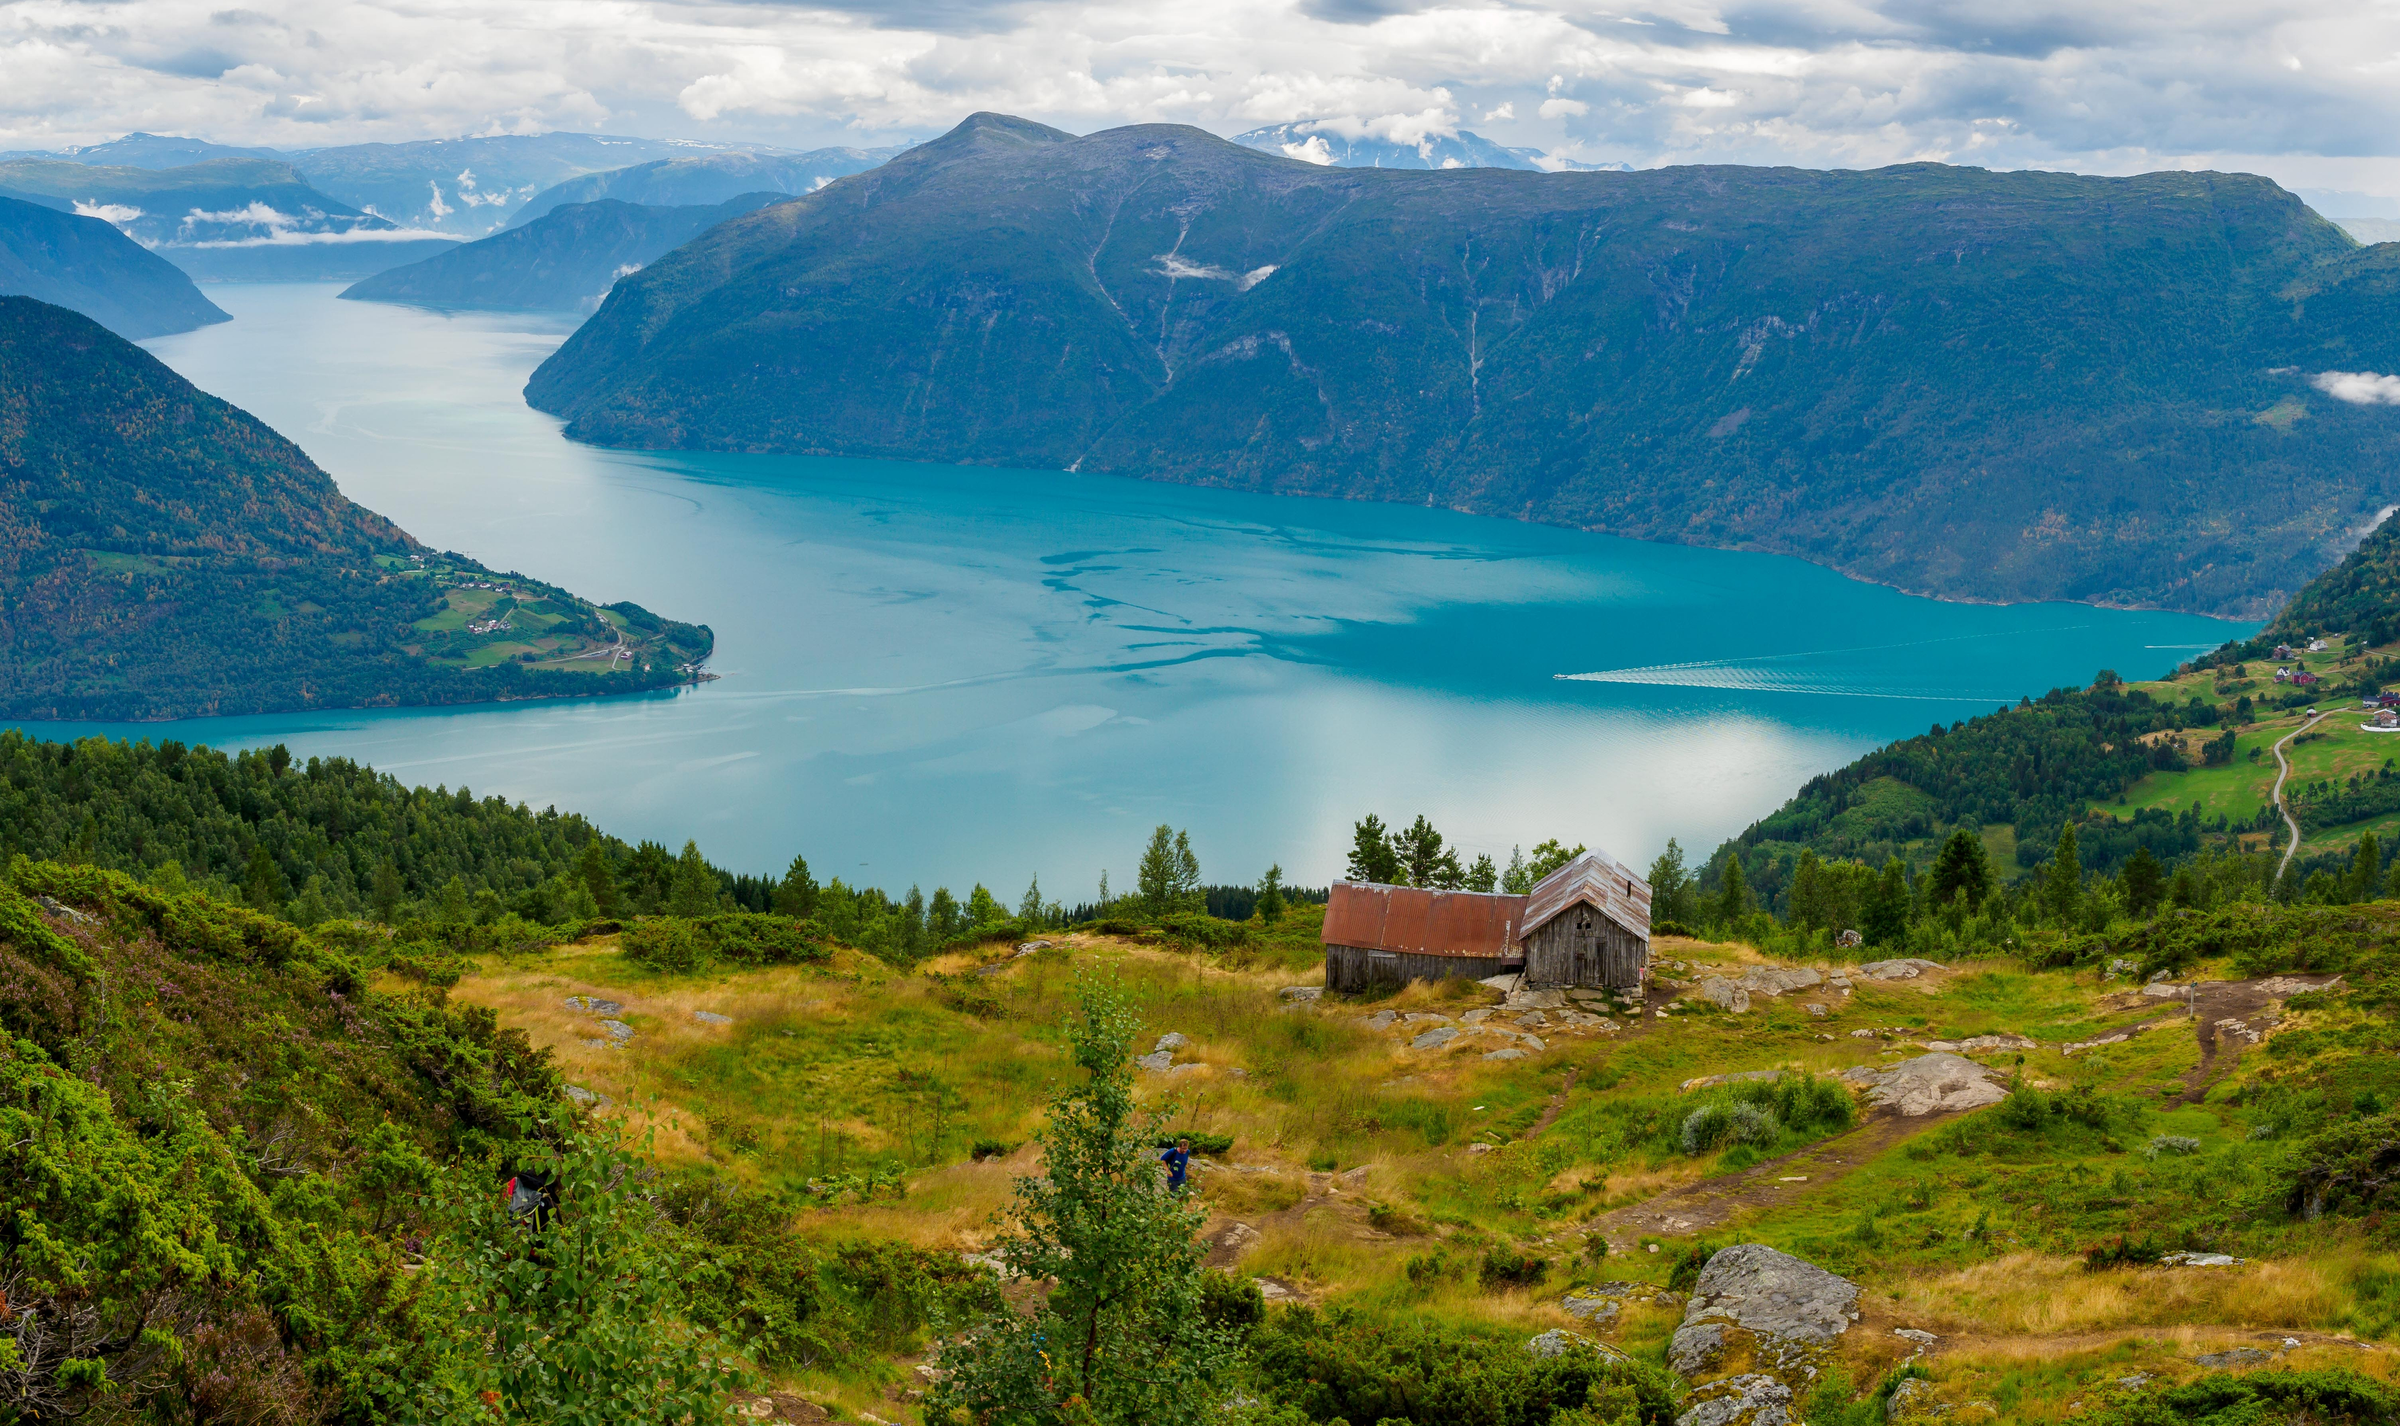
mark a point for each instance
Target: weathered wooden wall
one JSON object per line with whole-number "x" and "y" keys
{"x": 1580, "y": 946}
{"x": 1351, "y": 968}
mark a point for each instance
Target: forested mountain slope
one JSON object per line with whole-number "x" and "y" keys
{"x": 1980, "y": 385}
{"x": 563, "y": 260}
{"x": 164, "y": 554}
{"x": 88, "y": 266}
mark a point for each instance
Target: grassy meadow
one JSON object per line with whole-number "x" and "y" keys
{"x": 888, "y": 1104}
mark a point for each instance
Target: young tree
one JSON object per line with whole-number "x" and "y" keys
{"x": 1961, "y": 865}
{"x": 694, "y": 892}
{"x": 2366, "y": 870}
{"x": 1483, "y": 876}
{"x": 983, "y": 908}
{"x": 2145, "y": 882}
{"x": 598, "y": 877}
{"x": 796, "y": 895}
{"x": 1549, "y": 857}
{"x": 1029, "y": 909}
{"x": 1154, "y": 878}
{"x": 1733, "y": 897}
{"x": 1424, "y": 861}
{"x": 2062, "y": 880}
{"x": 1885, "y": 915}
{"x": 1121, "y": 1337}
{"x": 1371, "y": 855}
{"x": 455, "y": 907}
{"x": 1270, "y": 895}
{"x": 911, "y": 928}
{"x": 1518, "y": 879}
{"x": 1671, "y": 887}
{"x": 1189, "y": 894}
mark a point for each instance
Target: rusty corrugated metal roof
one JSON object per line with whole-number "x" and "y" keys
{"x": 1424, "y": 923}
{"x": 1609, "y": 886}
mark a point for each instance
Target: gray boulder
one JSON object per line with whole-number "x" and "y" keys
{"x": 1434, "y": 1038}
{"x": 1904, "y": 968}
{"x": 1753, "y": 1399}
{"x": 1170, "y": 1041}
{"x": 1301, "y": 994}
{"x": 1557, "y": 1342}
{"x": 1939, "y": 1083}
{"x": 1792, "y": 1309}
{"x": 1157, "y": 1062}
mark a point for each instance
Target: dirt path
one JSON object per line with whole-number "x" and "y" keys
{"x": 1556, "y": 1107}
{"x": 2229, "y": 1016}
{"x": 2283, "y": 772}
{"x": 1699, "y": 1207}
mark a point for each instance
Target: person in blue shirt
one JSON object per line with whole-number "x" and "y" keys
{"x": 1177, "y": 1160}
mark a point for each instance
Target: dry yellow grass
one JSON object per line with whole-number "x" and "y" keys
{"x": 2040, "y": 1295}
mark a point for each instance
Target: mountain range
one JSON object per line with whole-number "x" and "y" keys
{"x": 566, "y": 259}
{"x": 705, "y": 179}
{"x": 164, "y": 554}
{"x": 224, "y": 217}
{"x": 1997, "y": 386}
{"x": 88, "y": 266}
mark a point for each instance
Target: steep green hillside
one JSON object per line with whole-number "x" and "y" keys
{"x": 2013, "y": 386}
{"x": 87, "y": 266}
{"x": 163, "y": 554}
{"x": 564, "y": 260}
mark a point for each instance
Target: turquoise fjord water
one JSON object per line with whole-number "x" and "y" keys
{"x": 942, "y": 674}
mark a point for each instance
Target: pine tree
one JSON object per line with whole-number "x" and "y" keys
{"x": 1733, "y": 897}
{"x": 1154, "y": 879}
{"x": 2366, "y": 870}
{"x": 1671, "y": 887}
{"x": 1886, "y": 913}
{"x": 694, "y": 891}
{"x": 1518, "y": 879}
{"x": 1371, "y": 856}
{"x": 796, "y": 895}
{"x": 2145, "y": 882}
{"x": 386, "y": 893}
{"x": 983, "y": 908}
{"x": 912, "y": 924}
{"x": 263, "y": 883}
{"x": 1420, "y": 852}
{"x": 598, "y": 877}
{"x": 1808, "y": 893}
{"x": 1121, "y": 1336}
{"x": 1270, "y": 895}
{"x": 1483, "y": 876}
{"x": 1029, "y": 909}
{"x": 1961, "y": 865}
{"x": 2062, "y": 882}
{"x": 942, "y": 917}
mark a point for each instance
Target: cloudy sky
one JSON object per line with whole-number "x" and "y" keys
{"x": 2307, "y": 91}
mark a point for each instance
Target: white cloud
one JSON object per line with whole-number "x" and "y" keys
{"x": 2359, "y": 388}
{"x": 117, "y": 213}
{"x": 2301, "y": 89}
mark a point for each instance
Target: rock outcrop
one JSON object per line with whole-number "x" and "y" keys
{"x": 1786, "y": 1312}
{"x": 1929, "y": 1084}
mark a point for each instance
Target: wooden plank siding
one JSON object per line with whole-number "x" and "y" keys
{"x": 1581, "y": 947}
{"x": 1350, "y": 969}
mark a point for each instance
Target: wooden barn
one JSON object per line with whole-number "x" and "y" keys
{"x": 1389, "y": 935}
{"x": 1586, "y": 924}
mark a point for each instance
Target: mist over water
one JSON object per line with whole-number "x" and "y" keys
{"x": 943, "y": 674}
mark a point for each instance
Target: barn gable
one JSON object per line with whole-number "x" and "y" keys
{"x": 1588, "y": 923}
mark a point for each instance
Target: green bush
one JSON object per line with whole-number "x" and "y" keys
{"x": 1507, "y": 1266}
{"x": 1340, "y": 1364}
{"x": 1195, "y": 931}
{"x": 681, "y": 945}
{"x": 2329, "y": 1397}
